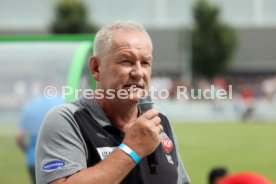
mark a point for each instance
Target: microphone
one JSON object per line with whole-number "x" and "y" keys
{"x": 144, "y": 104}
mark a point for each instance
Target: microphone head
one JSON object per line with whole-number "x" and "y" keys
{"x": 145, "y": 103}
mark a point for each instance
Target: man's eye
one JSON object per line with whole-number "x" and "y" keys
{"x": 146, "y": 63}
{"x": 125, "y": 62}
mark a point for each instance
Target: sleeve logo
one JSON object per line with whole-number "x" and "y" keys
{"x": 52, "y": 165}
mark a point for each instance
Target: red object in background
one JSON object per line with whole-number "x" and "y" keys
{"x": 246, "y": 95}
{"x": 244, "y": 178}
{"x": 221, "y": 83}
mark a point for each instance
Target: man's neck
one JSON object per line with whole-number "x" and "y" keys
{"x": 121, "y": 113}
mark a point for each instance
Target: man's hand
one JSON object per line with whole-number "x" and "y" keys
{"x": 144, "y": 135}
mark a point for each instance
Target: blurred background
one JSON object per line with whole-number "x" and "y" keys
{"x": 227, "y": 44}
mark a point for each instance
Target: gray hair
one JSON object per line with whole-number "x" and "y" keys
{"x": 103, "y": 38}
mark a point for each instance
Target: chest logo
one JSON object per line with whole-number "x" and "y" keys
{"x": 167, "y": 144}
{"x": 105, "y": 151}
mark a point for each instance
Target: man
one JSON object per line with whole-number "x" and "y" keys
{"x": 105, "y": 139}
{"x": 30, "y": 120}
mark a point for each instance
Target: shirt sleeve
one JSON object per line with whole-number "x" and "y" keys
{"x": 183, "y": 177}
{"x": 61, "y": 150}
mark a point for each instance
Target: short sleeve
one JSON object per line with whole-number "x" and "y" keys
{"x": 183, "y": 177}
{"x": 61, "y": 150}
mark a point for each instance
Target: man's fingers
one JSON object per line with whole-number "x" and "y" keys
{"x": 150, "y": 114}
{"x": 161, "y": 128}
{"x": 156, "y": 120}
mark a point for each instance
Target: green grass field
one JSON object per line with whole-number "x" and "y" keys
{"x": 203, "y": 146}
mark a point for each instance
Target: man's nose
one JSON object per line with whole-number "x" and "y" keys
{"x": 137, "y": 70}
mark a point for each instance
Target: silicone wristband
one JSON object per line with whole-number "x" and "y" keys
{"x": 130, "y": 152}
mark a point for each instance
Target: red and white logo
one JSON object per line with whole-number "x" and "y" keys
{"x": 167, "y": 144}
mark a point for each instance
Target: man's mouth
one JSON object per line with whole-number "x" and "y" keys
{"x": 133, "y": 86}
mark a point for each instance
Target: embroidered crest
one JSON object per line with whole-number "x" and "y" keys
{"x": 167, "y": 144}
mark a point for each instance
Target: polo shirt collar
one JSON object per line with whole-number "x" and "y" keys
{"x": 96, "y": 111}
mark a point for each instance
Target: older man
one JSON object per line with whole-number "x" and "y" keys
{"x": 105, "y": 139}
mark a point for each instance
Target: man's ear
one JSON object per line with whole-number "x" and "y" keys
{"x": 94, "y": 67}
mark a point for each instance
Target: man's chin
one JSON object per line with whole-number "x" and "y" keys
{"x": 134, "y": 98}
{"x": 133, "y": 95}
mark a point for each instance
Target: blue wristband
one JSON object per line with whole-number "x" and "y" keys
{"x": 130, "y": 152}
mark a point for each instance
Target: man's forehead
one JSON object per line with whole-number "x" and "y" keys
{"x": 130, "y": 54}
{"x": 131, "y": 39}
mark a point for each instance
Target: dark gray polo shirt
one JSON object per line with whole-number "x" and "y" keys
{"x": 61, "y": 148}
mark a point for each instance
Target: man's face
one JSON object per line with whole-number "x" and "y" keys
{"x": 128, "y": 64}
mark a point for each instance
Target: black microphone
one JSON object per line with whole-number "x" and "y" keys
{"x": 144, "y": 104}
